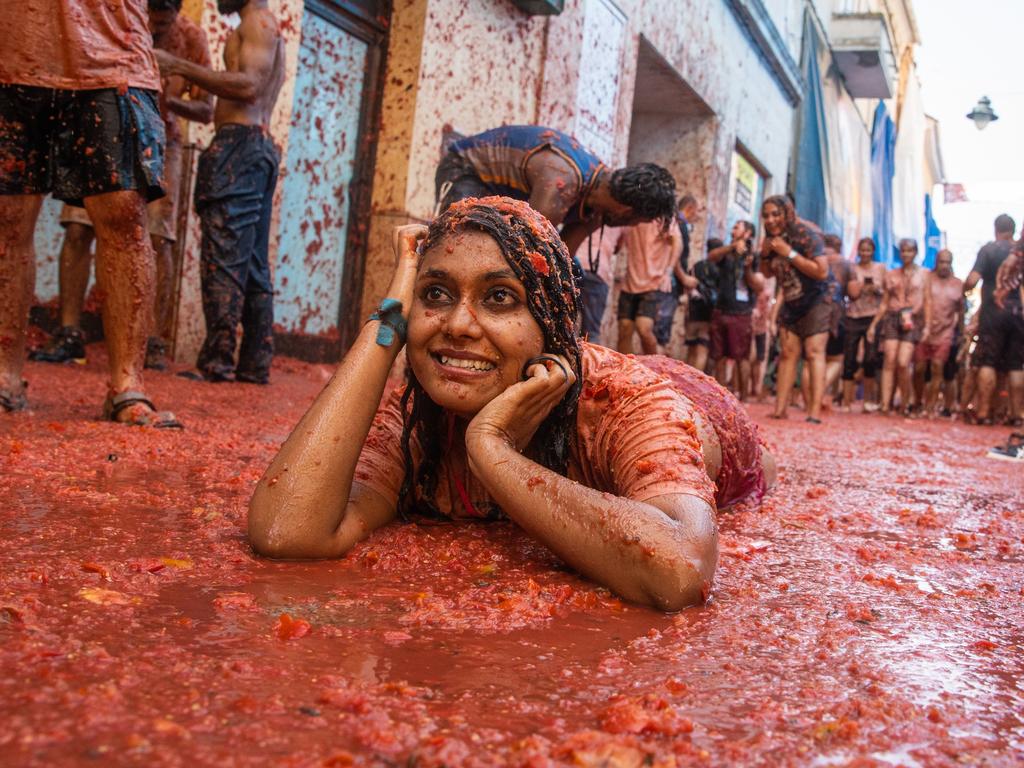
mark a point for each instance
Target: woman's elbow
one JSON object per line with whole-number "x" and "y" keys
{"x": 265, "y": 537}
{"x": 685, "y": 582}
{"x": 261, "y": 535}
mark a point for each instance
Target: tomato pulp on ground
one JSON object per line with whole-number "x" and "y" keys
{"x": 871, "y": 610}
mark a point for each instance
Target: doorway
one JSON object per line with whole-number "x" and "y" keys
{"x": 328, "y": 172}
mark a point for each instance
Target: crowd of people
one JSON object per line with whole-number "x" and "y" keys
{"x": 795, "y": 315}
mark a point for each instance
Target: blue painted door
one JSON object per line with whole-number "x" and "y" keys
{"x": 320, "y": 164}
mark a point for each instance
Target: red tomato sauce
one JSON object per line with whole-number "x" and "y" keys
{"x": 870, "y": 612}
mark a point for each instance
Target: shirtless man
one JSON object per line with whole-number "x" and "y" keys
{"x": 234, "y": 193}
{"x": 558, "y": 177}
{"x": 947, "y": 319}
{"x": 83, "y": 70}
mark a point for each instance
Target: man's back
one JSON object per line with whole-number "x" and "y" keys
{"x": 990, "y": 258}
{"x": 256, "y": 46}
{"x": 651, "y": 255}
{"x": 505, "y": 160}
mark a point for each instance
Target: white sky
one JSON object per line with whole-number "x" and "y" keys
{"x": 969, "y": 49}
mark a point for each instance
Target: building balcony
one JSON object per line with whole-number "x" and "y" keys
{"x": 862, "y": 51}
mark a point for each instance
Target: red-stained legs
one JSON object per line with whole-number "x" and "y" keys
{"x": 125, "y": 273}
{"x": 18, "y": 215}
{"x": 75, "y": 262}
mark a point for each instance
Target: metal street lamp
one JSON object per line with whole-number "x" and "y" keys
{"x": 983, "y": 114}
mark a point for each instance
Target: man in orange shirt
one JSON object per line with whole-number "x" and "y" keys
{"x": 79, "y": 102}
{"x": 179, "y": 35}
{"x": 652, "y": 252}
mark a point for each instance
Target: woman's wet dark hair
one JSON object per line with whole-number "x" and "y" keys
{"x": 870, "y": 241}
{"x": 785, "y": 205}
{"x": 538, "y": 257}
{"x": 648, "y": 189}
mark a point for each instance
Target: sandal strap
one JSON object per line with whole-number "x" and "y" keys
{"x": 127, "y": 399}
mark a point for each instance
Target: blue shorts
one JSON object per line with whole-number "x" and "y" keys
{"x": 77, "y": 144}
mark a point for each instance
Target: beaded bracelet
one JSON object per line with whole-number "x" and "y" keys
{"x": 392, "y": 324}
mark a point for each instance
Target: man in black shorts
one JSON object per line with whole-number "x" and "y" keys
{"x": 81, "y": 120}
{"x": 1000, "y": 347}
{"x": 703, "y": 296}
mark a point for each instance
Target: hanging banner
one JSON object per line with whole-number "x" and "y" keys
{"x": 932, "y": 235}
{"x": 883, "y": 146}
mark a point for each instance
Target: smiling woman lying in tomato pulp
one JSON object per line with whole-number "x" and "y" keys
{"x": 615, "y": 463}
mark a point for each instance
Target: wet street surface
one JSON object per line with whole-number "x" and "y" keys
{"x": 870, "y": 612}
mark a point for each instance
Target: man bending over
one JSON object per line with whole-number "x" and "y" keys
{"x": 558, "y": 177}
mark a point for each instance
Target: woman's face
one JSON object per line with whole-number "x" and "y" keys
{"x": 866, "y": 252}
{"x": 470, "y": 332}
{"x": 774, "y": 219}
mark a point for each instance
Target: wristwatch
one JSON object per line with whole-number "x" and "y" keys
{"x": 792, "y": 255}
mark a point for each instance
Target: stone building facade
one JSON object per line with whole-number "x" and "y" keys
{"x": 714, "y": 90}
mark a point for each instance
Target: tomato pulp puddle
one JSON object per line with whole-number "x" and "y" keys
{"x": 871, "y": 612}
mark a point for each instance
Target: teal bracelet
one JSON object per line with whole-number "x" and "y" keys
{"x": 392, "y": 324}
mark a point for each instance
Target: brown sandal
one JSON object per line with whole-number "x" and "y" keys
{"x": 116, "y": 404}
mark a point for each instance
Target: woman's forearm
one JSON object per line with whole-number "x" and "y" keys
{"x": 299, "y": 504}
{"x": 634, "y": 548}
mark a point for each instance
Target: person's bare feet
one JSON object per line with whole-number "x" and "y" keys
{"x": 782, "y": 415}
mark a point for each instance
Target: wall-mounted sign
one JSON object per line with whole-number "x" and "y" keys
{"x": 746, "y": 190}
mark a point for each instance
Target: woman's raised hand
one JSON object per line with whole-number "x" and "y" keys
{"x": 405, "y": 241}
{"x": 516, "y": 413}
{"x": 779, "y": 246}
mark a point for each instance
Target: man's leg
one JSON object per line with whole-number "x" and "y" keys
{"x": 594, "y": 298}
{"x": 1015, "y": 380}
{"x": 833, "y": 370}
{"x": 851, "y": 344}
{"x": 922, "y": 380}
{"x": 125, "y": 273}
{"x": 904, "y": 359}
{"x": 645, "y": 330}
{"x": 18, "y": 214}
{"x": 984, "y": 390}
{"x": 626, "y": 329}
{"x": 890, "y": 348}
{"x": 223, "y": 303}
{"x": 257, "y": 350}
{"x": 700, "y": 355}
{"x": 718, "y": 347}
{"x": 163, "y": 310}
{"x": 931, "y": 396}
{"x": 724, "y": 371}
{"x": 75, "y": 263}
{"x": 743, "y": 377}
{"x": 741, "y": 339}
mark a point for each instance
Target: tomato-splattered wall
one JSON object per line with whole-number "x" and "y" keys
{"x": 673, "y": 82}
